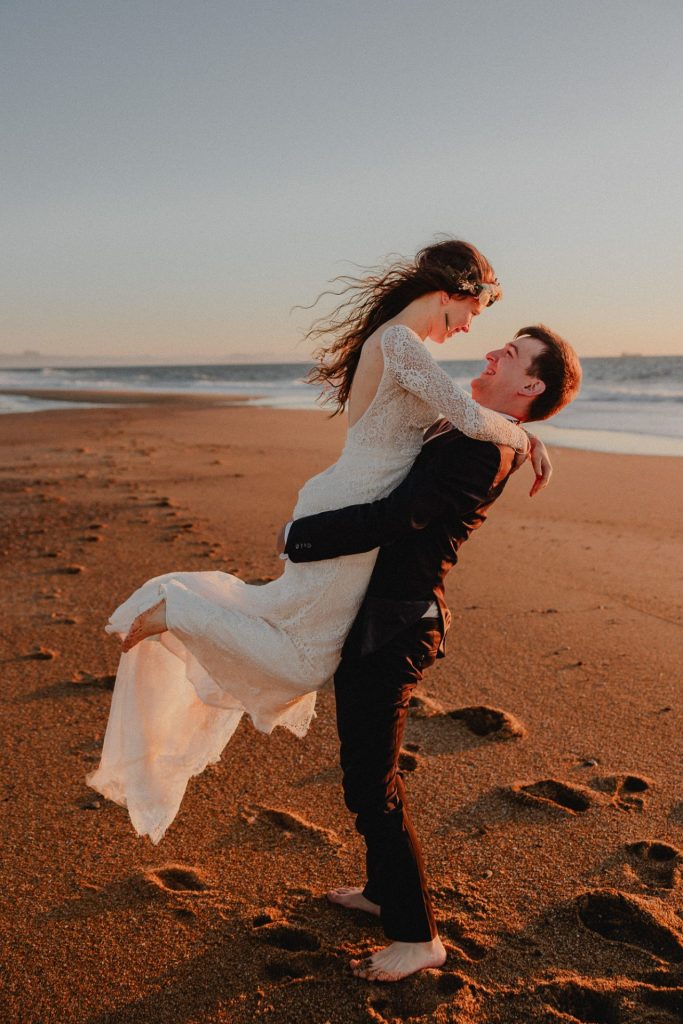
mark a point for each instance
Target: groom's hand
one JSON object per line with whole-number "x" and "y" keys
{"x": 540, "y": 460}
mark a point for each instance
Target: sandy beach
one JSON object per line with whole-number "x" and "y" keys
{"x": 542, "y": 756}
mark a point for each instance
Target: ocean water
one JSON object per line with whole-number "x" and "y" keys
{"x": 628, "y": 404}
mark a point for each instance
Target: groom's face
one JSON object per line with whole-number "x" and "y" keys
{"x": 505, "y": 380}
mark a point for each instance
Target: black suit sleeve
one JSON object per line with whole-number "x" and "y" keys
{"x": 457, "y": 478}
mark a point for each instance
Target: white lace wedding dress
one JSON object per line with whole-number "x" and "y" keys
{"x": 232, "y": 648}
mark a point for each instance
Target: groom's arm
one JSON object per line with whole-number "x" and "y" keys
{"x": 458, "y": 480}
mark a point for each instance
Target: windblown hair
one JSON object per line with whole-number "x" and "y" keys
{"x": 558, "y": 367}
{"x": 379, "y": 296}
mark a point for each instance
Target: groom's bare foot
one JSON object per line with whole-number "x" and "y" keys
{"x": 400, "y": 959}
{"x": 353, "y": 898}
{"x": 149, "y": 623}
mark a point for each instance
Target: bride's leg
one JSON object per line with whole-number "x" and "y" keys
{"x": 150, "y": 623}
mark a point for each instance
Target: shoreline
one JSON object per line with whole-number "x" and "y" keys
{"x": 578, "y": 438}
{"x": 115, "y": 396}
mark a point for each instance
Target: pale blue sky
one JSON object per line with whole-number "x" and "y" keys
{"x": 177, "y": 175}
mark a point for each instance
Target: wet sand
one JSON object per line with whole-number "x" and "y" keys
{"x": 542, "y": 757}
{"x": 110, "y": 396}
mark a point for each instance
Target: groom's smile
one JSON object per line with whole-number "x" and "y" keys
{"x": 505, "y": 379}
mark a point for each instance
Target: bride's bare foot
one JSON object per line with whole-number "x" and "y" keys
{"x": 149, "y": 623}
{"x": 353, "y": 898}
{"x": 400, "y": 959}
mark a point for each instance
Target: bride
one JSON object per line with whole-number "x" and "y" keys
{"x": 200, "y": 649}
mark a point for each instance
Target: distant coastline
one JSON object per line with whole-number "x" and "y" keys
{"x": 32, "y": 360}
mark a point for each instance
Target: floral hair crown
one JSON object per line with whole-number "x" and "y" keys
{"x": 491, "y": 291}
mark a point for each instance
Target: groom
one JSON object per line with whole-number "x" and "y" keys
{"x": 401, "y": 626}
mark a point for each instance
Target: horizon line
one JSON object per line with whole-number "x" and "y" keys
{"x": 20, "y": 361}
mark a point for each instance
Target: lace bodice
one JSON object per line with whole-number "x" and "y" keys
{"x": 430, "y": 393}
{"x": 380, "y": 448}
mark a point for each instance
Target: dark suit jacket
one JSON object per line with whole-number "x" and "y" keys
{"x": 418, "y": 528}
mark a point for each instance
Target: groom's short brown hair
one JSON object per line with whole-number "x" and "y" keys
{"x": 557, "y": 366}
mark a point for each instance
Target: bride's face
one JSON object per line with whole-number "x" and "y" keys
{"x": 453, "y": 316}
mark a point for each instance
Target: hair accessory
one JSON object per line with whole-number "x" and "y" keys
{"x": 487, "y": 292}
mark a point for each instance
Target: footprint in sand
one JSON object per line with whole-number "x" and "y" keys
{"x": 105, "y": 682}
{"x": 580, "y": 1002}
{"x": 177, "y": 878}
{"x": 292, "y": 969}
{"x": 493, "y": 723}
{"x": 286, "y": 936}
{"x": 626, "y": 790}
{"x": 42, "y": 654}
{"x": 555, "y": 795}
{"x": 460, "y": 936}
{"x": 424, "y": 997}
{"x": 657, "y": 864}
{"x": 623, "y": 791}
{"x": 421, "y": 706}
{"x": 408, "y": 761}
{"x": 488, "y": 723}
{"x": 643, "y": 922}
{"x": 291, "y": 824}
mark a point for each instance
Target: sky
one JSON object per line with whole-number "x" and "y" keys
{"x": 178, "y": 175}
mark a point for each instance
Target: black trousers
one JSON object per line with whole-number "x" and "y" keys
{"x": 372, "y": 696}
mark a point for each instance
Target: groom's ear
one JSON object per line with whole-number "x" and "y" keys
{"x": 533, "y": 389}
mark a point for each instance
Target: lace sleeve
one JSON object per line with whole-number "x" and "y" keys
{"x": 414, "y": 370}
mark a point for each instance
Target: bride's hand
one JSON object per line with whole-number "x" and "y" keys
{"x": 540, "y": 460}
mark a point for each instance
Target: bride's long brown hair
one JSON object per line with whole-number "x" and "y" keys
{"x": 379, "y": 296}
